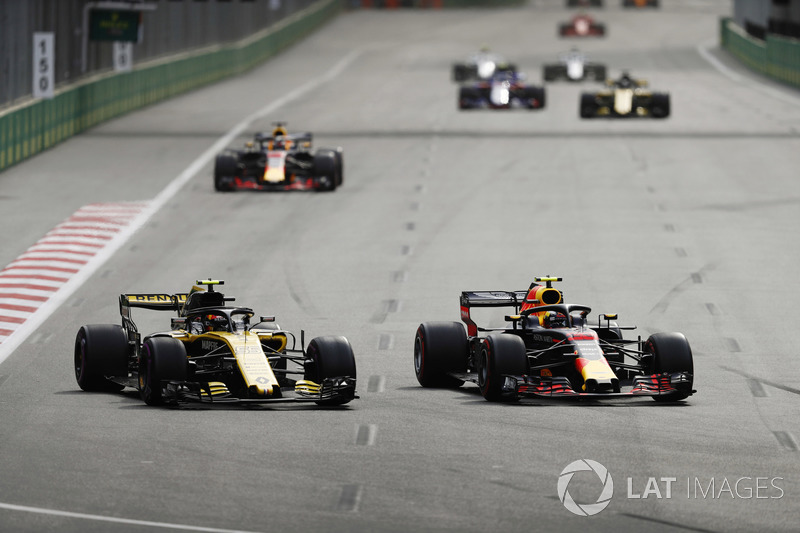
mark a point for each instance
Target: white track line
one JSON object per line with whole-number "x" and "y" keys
{"x": 150, "y": 208}
{"x": 99, "y": 518}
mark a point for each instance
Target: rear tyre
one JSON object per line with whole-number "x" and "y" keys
{"x": 440, "y": 348}
{"x": 671, "y": 354}
{"x": 325, "y": 167}
{"x": 467, "y": 97}
{"x": 224, "y": 172}
{"x": 550, "y": 72}
{"x": 536, "y": 97}
{"x": 588, "y": 105}
{"x": 339, "y": 166}
{"x": 162, "y": 359}
{"x": 100, "y": 350}
{"x": 600, "y": 73}
{"x": 330, "y": 357}
{"x": 660, "y": 106}
{"x": 500, "y": 355}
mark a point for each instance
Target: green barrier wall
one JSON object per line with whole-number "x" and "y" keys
{"x": 28, "y": 130}
{"x": 777, "y": 57}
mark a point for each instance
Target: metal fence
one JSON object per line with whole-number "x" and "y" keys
{"x": 174, "y": 26}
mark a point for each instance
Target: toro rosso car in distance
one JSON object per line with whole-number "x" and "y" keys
{"x": 582, "y": 26}
{"x": 481, "y": 66}
{"x": 212, "y": 354}
{"x": 625, "y": 97}
{"x": 549, "y": 349}
{"x": 573, "y": 66}
{"x": 279, "y": 161}
{"x": 505, "y": 90}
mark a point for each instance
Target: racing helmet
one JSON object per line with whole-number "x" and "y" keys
{"x": 551, "y": 319}
{"x": 214, "y": 322}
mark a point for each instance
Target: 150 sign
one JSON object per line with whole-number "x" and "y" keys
{"x": 43, "y": 65}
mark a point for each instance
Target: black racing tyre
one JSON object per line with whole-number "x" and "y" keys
{"x": 550, "y": 72}
{"x": 600, "y": 29}
{"x": 162, "y": 359}
{"x": 325, "y": 166}
{"x": 500, "y": 355}
{"x": 600, "y": 73}
{"x": 588, "y": 107}
{"x": 660, "y": 105}
{"x": 671, "y": 354}
{"x": 339, "y": 166}
{"x": 466, "y": 97}
{"x": 537, "y": 94}
{"x": 330, "y": 357}
{"x": 460, "y": 72}
{"x": 224, "y": 172}
{"x": 100, "y": 350}
{"x": 440, "y": 348}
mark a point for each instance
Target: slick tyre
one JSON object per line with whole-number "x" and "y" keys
{"x": 440, "y": 348}
{"x": 467, "y": 96}
{"x": 330, "y": 357}
{"x": 551, "y": 72}
{"x": 224, "y": 172}
{"x": 536, "y": 97}
{"x": 339, "y": 153}
{"x": 460, "y": 72}
{"x": 671, "y": 354}
{"x": 162, "y": 359}
{"x": 660, "y": 106}
{"x": 600, "y": 73}
{"x": 100, "y": 350}
{"x": 325, "y": 169}
{"x": 588, "y": 107}
{"x": 500, "y": 355}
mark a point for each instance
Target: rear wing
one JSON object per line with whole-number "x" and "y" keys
{"x": 154, "y": 302}
{"x": 305, "y": 137}
{"x": 471, "y": 299}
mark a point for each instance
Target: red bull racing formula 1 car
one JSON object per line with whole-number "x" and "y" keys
{"x": 213, "y": 355}
{"x": 549, "y": 349}
{"x": 279, "y": 162}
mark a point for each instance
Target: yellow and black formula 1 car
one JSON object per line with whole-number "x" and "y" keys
{"x": 549, "y": 349}
{"x": 280, "y": 161}
{"x": 212, "y": 354}
{"x": 625, "y": 97}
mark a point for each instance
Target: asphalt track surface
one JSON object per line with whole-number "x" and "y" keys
{"x": 688, "y": 224}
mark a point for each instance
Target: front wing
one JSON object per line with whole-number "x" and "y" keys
{"x": 177, "y": 392}
{"x": 299, "y": 183}
{"x": 560, "y": 387}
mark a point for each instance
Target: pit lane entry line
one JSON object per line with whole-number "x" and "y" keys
{"x": 22, "y": 321}
{"x": 129, "y": 521}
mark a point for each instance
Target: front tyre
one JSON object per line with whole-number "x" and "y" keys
{"x": 325, "y": 166}
{"x": 100, "y": 350}
{"x": 660, "y": 107}
{"x": 670, "y": 353}
{"x": 162, "y": 359}
{"x": 588, "y": 107}
{"x": 331, "y": 357}
{"x": 501, "y": 355}
{"x": 439, "y": 349}
{"x": 225, "y": 168}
